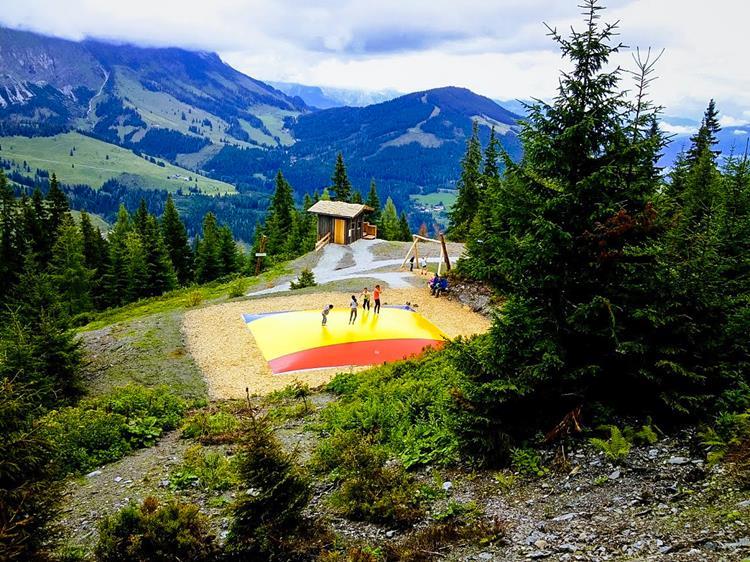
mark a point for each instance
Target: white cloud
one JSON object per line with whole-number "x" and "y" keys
{"x": 671, "y": 129}
{"x": 497, "y": 48}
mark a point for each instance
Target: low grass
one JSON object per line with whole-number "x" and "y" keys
{"x": 180, "y": 299}
{"x": 93, "y": 162}
{"x": 96, "y": 220}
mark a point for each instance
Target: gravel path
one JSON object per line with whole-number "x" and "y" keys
{"x": 365, "y": 265}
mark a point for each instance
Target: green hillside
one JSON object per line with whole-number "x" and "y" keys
{"x": 93, "y": 162}
{"x": 96, "y": 220}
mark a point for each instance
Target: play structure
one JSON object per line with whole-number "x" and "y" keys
{"x": 296, "y": 341}
{"x": 442, "y": 251}
{"x": 342, "y": 223}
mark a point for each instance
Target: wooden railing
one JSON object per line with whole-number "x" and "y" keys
{"x": 370, "y": 230}
{"x": 322, "y": 242}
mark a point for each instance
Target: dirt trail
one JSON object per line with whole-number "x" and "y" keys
{"x": 225, "y": 350}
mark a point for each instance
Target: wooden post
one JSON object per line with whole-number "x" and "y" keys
{"x": 416, "y": 254}
{"x": 403, "y": 264}
{"x": 260, "y": 254}
{"x": 445, "y": 252}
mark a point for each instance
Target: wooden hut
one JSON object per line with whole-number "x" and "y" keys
{"x": 342, "y": 223}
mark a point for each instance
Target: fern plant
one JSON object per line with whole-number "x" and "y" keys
{"x": 616, "y": 448}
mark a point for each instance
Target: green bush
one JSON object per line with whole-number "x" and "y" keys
{"x": 306, "y": 278}
{"x": 238, "y": 288}
{"x": 103, "y": 429}
{"x": 208, "y": 470}
{"x": 527, "y": 462}
{"x": 211, "y": 427}
{"x": 729, "y": 432}
{"x": 370, "y": 488}
{"x": 193, "y": 298}
{"x": 616, "y": 448}
{"x": 167, "y": 533}
{"x": 646, "y": 435}
{"x": 408, "y": 406}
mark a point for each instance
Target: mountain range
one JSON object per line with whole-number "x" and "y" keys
{"x": 191, "y": 109}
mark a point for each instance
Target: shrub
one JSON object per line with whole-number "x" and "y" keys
{"x": 527, "y": 462}
{"x": 729, "y": 440}
{"x": 238, "y": 288}
{"x": 167, "y": 533}
{"x": 306, "y": 278}
{"x": 193, "y": 298}
{"x": 616, "y": 448}
{"x": 209, "y": 470}
{"x": 268, "y": 513}
{"x": 104, "y": 429}
{"x": 408, "y": 406}
{"x": 87, "y": 438}
{"x": 211, "y": 427}
{"x": 371, "y": 488}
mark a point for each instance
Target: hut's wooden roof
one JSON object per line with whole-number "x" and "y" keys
{"x": 338, "y": 209}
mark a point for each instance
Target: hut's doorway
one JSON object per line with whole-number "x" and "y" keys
{"x": 339, "y": 231}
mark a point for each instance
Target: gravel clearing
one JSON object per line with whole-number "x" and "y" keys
{"x": 225, "y": 350}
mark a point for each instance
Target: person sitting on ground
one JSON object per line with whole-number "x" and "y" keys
{"x": 442, "y": 286}
{"x": 365, "y": 295}
{"x": 433, "y": 284}
{"x": 325, "y": 312}
{"x": 353, "y": 310}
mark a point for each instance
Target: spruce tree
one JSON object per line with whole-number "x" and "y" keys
{"x": 373, "y": 201}
{"x": 491, "y": 171}
{"x": 176, "y": 242}
{"x": 208, "y": 262}
{"x": 390, "y": 228}
{"x": 572, "y": 242}
{"x": 326, "y": 195}
{"x": 57, "y": 207}
{"x": 35, "y": 222}
{"x": 229, "y": 254}
{"x": 705, "y": 139}
{"x": 160, "y": 271}
{"x": 280, "y": 215}
{"x": 357, "y": 197}
{"x": 140, "y": 218}
{"x": 403, "y": 228}
{"x": 469, "y": 188}
{"x": 10, "y": 244}
{"x": 69, "y": 271}
{"x": 136, "y": 268}
{"x": 341, "y": 186}
{"x": 116, "y": 276}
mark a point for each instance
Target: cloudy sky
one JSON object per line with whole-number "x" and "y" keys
{"x": 495, "y": 47}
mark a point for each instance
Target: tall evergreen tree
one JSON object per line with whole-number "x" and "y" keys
{"x": 403, "y": 227}
{"x": 140, "y": 218}
{"x": 116, "y": 276}
{"x": 208, "y": 263}
{"x": 230, "y": 257}
{"x": 176, "y": 241}
{"x": 357, "y": 197}
{"x": 390, "y": 228}
{"x": 136, "y": 268}
{"x": 35, "y": 222}
{"x": 96, "y": 253}
{"x": 572, "y": 242}
{"x": 705, "y": 139}
{"x": 491, "y": 171}
{"x": 341, "y": 186}
{"x": 326, "y": 195}
{"x": 373, "y": 201}
{"x": 70, "y": 274}
{"x": 159, "y": 269}
{"x": 280, "y": 215}
{"x": 469, "y": 188}
{"x": 57, "y": 207}
{"x": 10, "y": 245}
